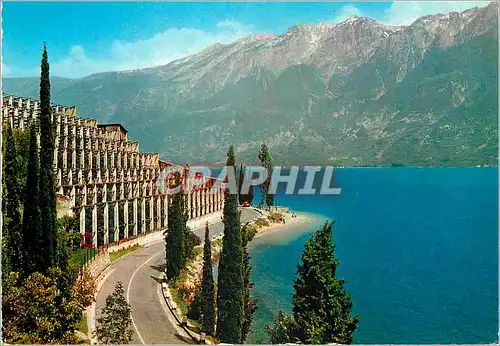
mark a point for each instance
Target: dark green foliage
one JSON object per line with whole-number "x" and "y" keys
{"x": 321, "y": 306}
{"x": 195, "y": 309}
{"x": 244, "y": 197}
{"x": 68, "y": 240}
{"x": 32, "y": 224}
{"x": 207, "y": 286}
{"x": 175, "y": 240}
{"x": 115, "y": 324}
{"x": 47, "y": 197}
{"x": 283, "y": 330}
{"x": 230, "y": 277}
{"x": 249, "y": 303}
{"x": 12, "y": 192}
{"x": 192, "y": 240}
{"x": 265, "y": 159}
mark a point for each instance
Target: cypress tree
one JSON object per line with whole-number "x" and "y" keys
{"x": 244, "y": 196}
{"x": 321, "y": 306}
{"x": 12, "y": 193}
{"x": 175, "y": 240}
{"x": 241, "y": 197}
{"x": 249, "y": 303}
{"x": 230, "y": 277}
{"x": 47, "y": 197}
{"x": 32, "y": 225}
{"x": 265, "y": 159}
{"x": 207, "y": 286}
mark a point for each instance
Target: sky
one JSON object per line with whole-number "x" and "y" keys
{"x": 86, "y": 38}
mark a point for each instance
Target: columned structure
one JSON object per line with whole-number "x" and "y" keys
{"x": 112, "y": 186}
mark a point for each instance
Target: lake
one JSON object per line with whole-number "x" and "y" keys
{"x": 417, "y": 246}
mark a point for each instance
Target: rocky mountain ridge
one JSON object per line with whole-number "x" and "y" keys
{"x": 355, "y": 93}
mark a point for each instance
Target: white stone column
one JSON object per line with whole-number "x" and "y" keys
{"x": 94, "y": 218}
{"x": 165, "y": 210}
{"x": 106, "y": 223}
{"x": 134, "y": 205}
{"x": 151, "y": 214}
{"x": 125, "y": 216}
{"x": 158, "y": 212}
{"x": 143, "y": 214}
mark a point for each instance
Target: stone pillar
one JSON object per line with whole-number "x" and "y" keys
{"x": 143, "y": 215}
{"x": 125, "y": 216}
{"x": 94, "y": 218}
{"x": 189, "y": 201}
{"x": 65, "y": 159}
{"x": 135, "y": 216}
{"x": 82, "y": 211}
{"x": 203, "y": 201}
{"x": 158, "y": 212}
{"x": 117, "y": 221}
{"x": 197, "y": 203}
{"x": 165, "y": 210}
{"x": 82, "y": 220}
{"x": 151, "y": 213}
{"x": 106, "y": 223}
{"x": 94, "y": 225}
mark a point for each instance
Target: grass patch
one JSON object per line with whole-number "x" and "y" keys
{"x": 120, "y": 253}
{"x": 81, "y": 256}
{"x": 177, "y": 294}
{"x": 82, "y": 326}
{"x": 194, "y": 253}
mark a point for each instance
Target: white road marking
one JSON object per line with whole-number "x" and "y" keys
{"x": 128, "y": 292}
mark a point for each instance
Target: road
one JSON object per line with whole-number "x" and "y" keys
{"x": 139, "y": 272}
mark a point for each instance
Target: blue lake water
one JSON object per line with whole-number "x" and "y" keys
{"x": 417, "y": 246}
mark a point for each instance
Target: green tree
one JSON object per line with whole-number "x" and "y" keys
{"x": 321, "y": 305}
{"x": 230, "y": 277}
{"x": 175, "y": 240}
{"x": 32, "y": 225}
{"x": 265, "y": 159}
{"x": 244, "y": 197}
{"x": 12, "y": 192}
{"x": 115, "y": 324}
{"x": 39, "y": 310}
{"x": 249, "y": 303}
{"x": 47, "y": 197}
{"x": 192, "y": 241}
{"x": 283, "y": 330}
{"x": 207, "y": 286}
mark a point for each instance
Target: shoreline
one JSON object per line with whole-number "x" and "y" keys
{"x": 281, "y": 231}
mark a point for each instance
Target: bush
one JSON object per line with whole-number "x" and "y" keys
{"x": 194, "y": 310}
{"x": 192, "y": 241}
{"x": 261, "y": 222}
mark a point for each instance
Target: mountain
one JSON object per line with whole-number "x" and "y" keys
{"x": 356, "y": 93}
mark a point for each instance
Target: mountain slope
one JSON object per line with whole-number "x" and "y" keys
{"x": 356, "y": 93}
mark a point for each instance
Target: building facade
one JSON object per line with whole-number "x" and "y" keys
{"x": 103, "y": 178}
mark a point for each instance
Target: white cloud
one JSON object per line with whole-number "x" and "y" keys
{"x": 406, "y": 12}
{"x": 159, "y": 49}
{"x": 346, "y": 12}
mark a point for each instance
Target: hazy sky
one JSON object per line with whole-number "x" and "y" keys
{"x": 86, "y": 38}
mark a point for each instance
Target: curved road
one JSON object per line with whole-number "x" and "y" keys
{"x": 139, "y": 272}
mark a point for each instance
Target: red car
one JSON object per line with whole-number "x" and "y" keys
{"x": 245, "y": 204}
